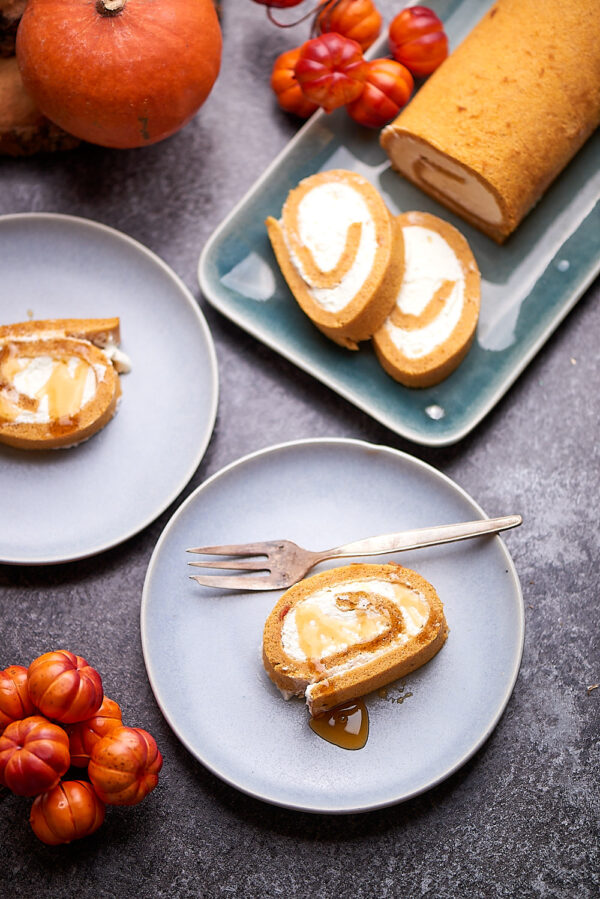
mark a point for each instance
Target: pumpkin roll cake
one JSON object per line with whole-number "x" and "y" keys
{"x": 432, "y": 325}
{"x": 59, "y": 381}
{"x": 503, "y": 115}
{"x": 348, "y": 631}
{"x": 340, "y": 254}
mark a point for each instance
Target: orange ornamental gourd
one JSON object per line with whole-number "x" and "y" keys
{"x": 84, "y": 735}
{"x": 331, "y": 70}
{"x": 124, "y": 766}
{"x": 387, "y": 89}
{"x": 64, "y": 687}
{"x": 286, "y": 88}
{"x": 69, "y": 811}
{"x": 359, "y": 20}
{"x": 34, "y": 755}
{"x": 120, "y": 73}
{"x": 14, "y": 696}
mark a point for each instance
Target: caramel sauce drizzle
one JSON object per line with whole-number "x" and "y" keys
{"x": 346, "y": 726}
{"x": 64, "y": 389}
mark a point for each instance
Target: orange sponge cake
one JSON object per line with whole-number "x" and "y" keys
{"x": 502, "y": 116}
{"x": 59, "y": 381}
{"x": 339, "y": 253}
{"x": 345, "y": 632}
{"x": 432, "y": 325}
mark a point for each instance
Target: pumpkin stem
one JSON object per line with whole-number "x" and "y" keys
{"x": 110, "y": 7}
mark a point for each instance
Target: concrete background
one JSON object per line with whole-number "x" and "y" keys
{"x": 521, "y": 818}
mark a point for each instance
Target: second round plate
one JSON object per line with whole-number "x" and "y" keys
{"x": 217, "y": 697}
{"x": 72, "y": 503}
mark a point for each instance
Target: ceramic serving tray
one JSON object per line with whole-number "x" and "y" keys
{"x": 528, "y": 285}
{"x": 202, "y": 646}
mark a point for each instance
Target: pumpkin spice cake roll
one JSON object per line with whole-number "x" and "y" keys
{"x": 348, "y": 631}
{"x": 432, "y": 325}
{"x": 502, "y": 116}
{"x": 59, "y": 381}
{"x": 339, "y": 253}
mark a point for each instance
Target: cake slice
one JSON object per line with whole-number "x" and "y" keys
{"x": 348, "y": 631}
{"x": 433, "y": 322}
{"x": 59, "y": 380}
{"x": 339, "y": 253}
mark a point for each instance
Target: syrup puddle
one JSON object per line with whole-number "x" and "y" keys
{"x": 346, "y": 725}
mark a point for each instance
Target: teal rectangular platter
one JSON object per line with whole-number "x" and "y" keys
{"x": 528, "y": 285}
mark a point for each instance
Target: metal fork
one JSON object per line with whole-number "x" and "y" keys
{"x": 287, "y": 563}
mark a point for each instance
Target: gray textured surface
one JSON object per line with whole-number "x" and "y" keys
{"x": 521, "y": 818}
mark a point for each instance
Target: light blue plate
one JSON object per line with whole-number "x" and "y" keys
{"x": 202, "y": 646}
{"x": 66, "y": 504}
{"x": 528, "y": 285}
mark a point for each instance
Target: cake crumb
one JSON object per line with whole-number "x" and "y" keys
{"x": 592, "y": 687}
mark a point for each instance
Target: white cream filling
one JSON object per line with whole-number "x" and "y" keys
{"x": 448, "y": 177}
{"x": 34, "y": 375}
{"x": 324, "y": 216}
{"x": 119, "y": 359}
{"x": 325, "y": 599}
{"x": 429, "y": 262}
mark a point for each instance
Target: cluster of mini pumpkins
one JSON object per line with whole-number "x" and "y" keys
{"x": 54, "y": 715}
{"x": 330, "y": 70}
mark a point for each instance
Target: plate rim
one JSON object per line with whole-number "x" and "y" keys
{"x": 406, "y": 458}
{"x": 571, "y": 298}
{"x": 187, "y": 295}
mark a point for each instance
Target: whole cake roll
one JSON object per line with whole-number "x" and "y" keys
{"x": 503, "y": 115}
{"x": 348, "y": 631}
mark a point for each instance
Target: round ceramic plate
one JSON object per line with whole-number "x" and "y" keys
{"x": 202, "y": 646}
{"x": 67, "y": 504}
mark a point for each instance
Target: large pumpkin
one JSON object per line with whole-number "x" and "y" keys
{"x": 120, "y": 73}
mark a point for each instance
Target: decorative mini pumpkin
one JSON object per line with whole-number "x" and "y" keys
{"x": 64, "y": 687}
{"x": 84, "y": 735}
{"x": 124, "y": 766}
{"x": 120, "y": 73}
{"x": 287, "y": 90}
{"x": 387, "y": 89}
{"x": 69, "y": 811}
{"x": 34, "y": 755}
{"x": 360, "y": 20}
{"x": 331, "y": 70}
{"x": 14, "y": 696}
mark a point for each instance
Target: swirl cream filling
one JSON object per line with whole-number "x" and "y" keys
{"x": 332, "y": 243}
{"x": 343, "y": 617}
{"x": 40, "y": 389}
{"x": 431, "y": 299}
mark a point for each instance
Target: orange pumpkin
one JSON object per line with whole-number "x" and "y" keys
{"x": 331, "y": 70}
{"x": 64, "y": 687}
{"x": 34, "y": 755}
{"x": 124, "y": 766}
{"x": 84, "y": 735}
{"x": 69, "y": 811}
{"x": 359, "y": 20}
{"x": 14, "y": 696}
{"x": 120, "y": 73}
{"x": 418, "y": 40}
{"x": 387, "y": 89}
{"x": 287, "y": 90}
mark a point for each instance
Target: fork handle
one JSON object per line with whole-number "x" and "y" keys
{"x": 446, "y": 533}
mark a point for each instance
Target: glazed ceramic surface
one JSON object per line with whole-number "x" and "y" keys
{"x": 528, "y": 285}
{"x": 202, "y": 646}
{"x": 70, "y": 503}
